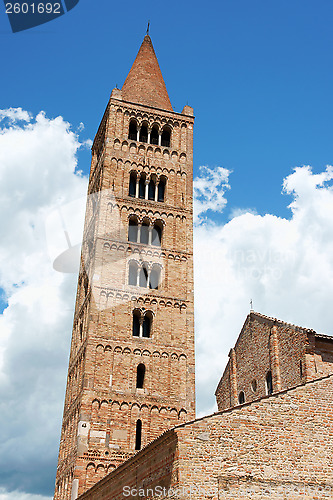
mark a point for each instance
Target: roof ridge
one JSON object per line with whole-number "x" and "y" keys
{"x": 276, "y": 320}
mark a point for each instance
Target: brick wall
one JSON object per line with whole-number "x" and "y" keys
{"x": 103, "y": 404}
{"x": 276, "y": 447}
{"x": 292, "y": 354}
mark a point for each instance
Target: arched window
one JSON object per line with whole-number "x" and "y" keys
{"x": 138, "y": 433}
{"x": 142, "y": 186}
{"x": 133, "y": 230}
{"x": 133, "y": 273}
{"x": 165, "y": 139}
{"x": 140, "y": 375}
{"x": 161, "y": 189}
{"x": 157, "y": 235}
{"x": 241, "y": 398}
{"x": 136, "y": 324}
{"x": 132, "y": 184}
{"x": 146, "y": 326}
{"x": 144, "y": 234}
{"x": 154, "y": 135}
{"x": 132, "y": 132}
{"x": 269, "y": 383}
{"x": 143, "y": 276}
{"x": 154, "y": 278}
{"x": 143, "y": 133}
{"x": 151, "y": 190}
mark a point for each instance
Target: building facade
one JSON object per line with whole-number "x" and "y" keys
{"x": 270, "y": 356}
{"x": 131, "y": 368}
{"x": 275, "y": 446}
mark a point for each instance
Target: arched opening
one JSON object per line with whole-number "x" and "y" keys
{"x": 146, "y": 327}
{"x": 132, "y": 131}
{"x": 155, "y": 278}
{"x": 142, "y": 186}
{"x": 151, "y": 190}
{"x": 157, "y": 235}
{"x": 154, "y": 135}
{"x": 140, "y": 375}
{"x": 269, "y": 383}
{"x": 138, "y": 432}
{"x": 161, "y": 189}
{"x": 166, "y": 135}
{"x": 143, "y": 276}
{"x": 144, "y": 234}
{"x": 133, "y": 230}
{"x": 132, "y": 185}
{"x": 133, "y": 273}
{"x": 143, "y": 133}
{"x": 241, "y": 398}
{"x": 136, "y": 324}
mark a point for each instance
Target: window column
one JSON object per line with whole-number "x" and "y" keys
{"x": 150, "y": 235}
{"x": 146, "y": 189}
{"x": 137, "y": 187}
{"x": 141, "y": 326}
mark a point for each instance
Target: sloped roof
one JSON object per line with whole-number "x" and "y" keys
{"x": 144, "y": 83}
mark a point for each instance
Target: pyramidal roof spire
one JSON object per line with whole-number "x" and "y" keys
{"x": 144, "y": 83}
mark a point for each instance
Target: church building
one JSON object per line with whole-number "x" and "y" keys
{"x": 129, "y": 427}
{"x": 131, "y": 367}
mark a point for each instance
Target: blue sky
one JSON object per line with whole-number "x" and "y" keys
{"x": 258, "y": 74}
{"x": 259, "y": 77}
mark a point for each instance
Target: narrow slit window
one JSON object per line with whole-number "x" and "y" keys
{"x": 241, "y": 398}
{"x": 138, "y": 435}
{"x": 140, "y": 376}
{"x": 269, "y": 383}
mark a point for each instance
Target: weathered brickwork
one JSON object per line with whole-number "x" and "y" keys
{"x": 277, "y": 447}
{"x": 131, "y": 367}
{"x": 293, "y": 355}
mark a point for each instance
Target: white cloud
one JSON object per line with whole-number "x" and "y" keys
{"x": 17, "y": 495}
{"x": 15, "y": 114}
{"x": 209, "y": 188}
{"x": 284, "y": 265}
{"x": 37, "y": 173}
{"x": 236, "y": 212}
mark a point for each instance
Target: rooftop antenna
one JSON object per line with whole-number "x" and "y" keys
{"x": 251, "y": 305}
{"x": 148, "y": 27}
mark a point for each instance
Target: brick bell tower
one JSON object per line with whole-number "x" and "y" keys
{"x": 131, "y": 366}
